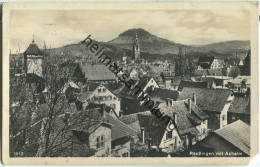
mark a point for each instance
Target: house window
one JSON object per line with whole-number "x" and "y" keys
{"x": 224, "y": 117}
{"x": 113, "y": 106}
{"x": 99, "y": 90}
{"x": 204, "y": 130}
{"x": 169, "y": 135}
{"x": 109, "y": 97}
{"x": 104, "y": 89}
{"x": 115, "y": 98}
{"x": 125, "y": 154}
{"x": 100, "y": 141}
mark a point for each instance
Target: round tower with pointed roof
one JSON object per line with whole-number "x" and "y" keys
{"x": 33, "y": 58}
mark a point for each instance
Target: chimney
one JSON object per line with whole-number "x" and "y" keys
{"x": 175, "y": 118}
{"x": 171, "y": 102}
{"x": 87, "y": 87}
{"x": 194, "y": 99}
{"x": 167, "y": 100}
{"x": 189, "y": 105}
{"x": 103, "y": 110}
{"x": 142, "y": 133}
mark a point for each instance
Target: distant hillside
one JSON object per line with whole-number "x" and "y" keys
{"x": 224, "y": 47}
{"x": 152, "y": 44}
{"x": 149, "y": 43}
{"x": 153, "y": 47}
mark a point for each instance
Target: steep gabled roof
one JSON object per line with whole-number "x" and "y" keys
{"x": 185, "y": 121}
{"x": 112, "y": 87}
{"x": 78, "y": 123}
{"x": 33, "y": 49}
{"x": 86, "y": 121}
{"x": 154, "y": 127}
{"x": 212, "y": 80}
{"x": 240, "y": 105}
{"x": 207, "y": 99}
{"x": 119, "y": 129}
{"x": 131, "y": 106}
{"x": 238, "y": 134}
{"x": 162, "y": 93}
{"x": 97, "y": 72}
{"x": 143, "y": 82}
{"x": 192, "y": 84}
{"x": 208, "y": 72}
{"x": 206, "y": 61}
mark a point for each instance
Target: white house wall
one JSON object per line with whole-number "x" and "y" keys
{"x": 224, "y": 111}
{"x": 109, "y": 102}
{"x": 151, "y": 83}
{"x": 166, "y": 144}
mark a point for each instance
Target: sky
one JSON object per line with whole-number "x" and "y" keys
{"x": 61, "y": 27}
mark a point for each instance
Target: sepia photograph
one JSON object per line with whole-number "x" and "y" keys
{"x": 130, "y": 83}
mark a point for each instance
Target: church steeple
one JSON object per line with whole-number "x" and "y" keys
{"x": 136, "y": 48}
{"x": 44, "y": 46}
{"x": 33, "y": 39}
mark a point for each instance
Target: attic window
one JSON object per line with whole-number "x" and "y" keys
{"x": 169, "y": 135}
{"x": 100, "y": 141}
{"x": 109, "y": 97}
{"x": 104, "y": 89}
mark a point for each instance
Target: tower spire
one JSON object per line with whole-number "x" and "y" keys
{"x": 44, "y": 45}
{"x": 33, "y": 39}
{"x": 136, "y": 48}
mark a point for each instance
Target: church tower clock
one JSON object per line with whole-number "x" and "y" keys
{"x": 33, "y": 58}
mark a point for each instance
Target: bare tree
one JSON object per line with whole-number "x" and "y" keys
{"x": 39, "y": 133}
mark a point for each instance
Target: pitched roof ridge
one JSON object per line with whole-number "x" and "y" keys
{"x": 111, "y": 91}
{"x": 121, "y": 122}
{"x": 220, "y": 89}
{"x": 236, "y": 138}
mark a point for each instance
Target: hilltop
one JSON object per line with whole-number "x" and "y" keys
{"x": 153, "y": 47}
{"x": 149, "y": 43}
